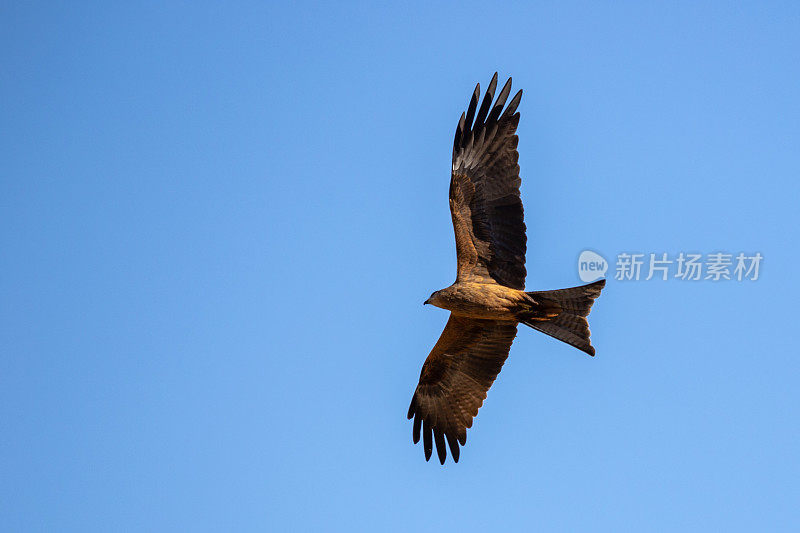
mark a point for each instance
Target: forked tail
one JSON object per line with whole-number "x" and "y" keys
{"x": 562, "y": 313}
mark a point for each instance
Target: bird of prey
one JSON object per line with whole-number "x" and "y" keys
{"x": 488, "y": 299}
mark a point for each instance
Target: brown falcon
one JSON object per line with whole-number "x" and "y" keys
{"x": 488, "y": 298}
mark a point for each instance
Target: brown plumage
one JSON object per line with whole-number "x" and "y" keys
{"x": 488, "y": 300}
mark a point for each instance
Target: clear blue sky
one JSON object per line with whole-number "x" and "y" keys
{"x": 218, "y": 224}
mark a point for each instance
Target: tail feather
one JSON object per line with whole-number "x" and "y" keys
{"x": 572, "y": 306}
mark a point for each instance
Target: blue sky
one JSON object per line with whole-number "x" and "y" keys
{"x": 219, "y": 223}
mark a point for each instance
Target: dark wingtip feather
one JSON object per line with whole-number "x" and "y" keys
{"x": 512, "y": 106}
{"x": 487, "y": 102}
{"x": 473, "y": 105}
{"x": 427, "y": 440}
{"x": 453, "y": 443}
{"x": 459, "y": 135}
{"x": 501, "y": 101}
{"x": 441, "y": 451}
{"x": 417, "y": 425}
{"x": 411, "y": 409}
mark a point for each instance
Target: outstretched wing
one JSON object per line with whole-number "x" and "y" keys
{"x": 454, "y": 381}
{"x": 484, "y": 191}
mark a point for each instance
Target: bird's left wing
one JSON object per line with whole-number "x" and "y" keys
{"x": 485, "y": 203}
{"x": 455, "y": 379}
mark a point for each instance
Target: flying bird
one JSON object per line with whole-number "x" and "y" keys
{"x": 488, "y": 299}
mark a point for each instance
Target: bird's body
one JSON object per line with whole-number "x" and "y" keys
{"x": 488, "y": 299}
{"x": 481, "y": 300}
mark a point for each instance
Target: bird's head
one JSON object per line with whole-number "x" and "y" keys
{"x": 435, "y": 299}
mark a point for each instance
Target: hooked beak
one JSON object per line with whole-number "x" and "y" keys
{"x": 426, "y": 302}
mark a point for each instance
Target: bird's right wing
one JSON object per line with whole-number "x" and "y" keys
{"x": 484, "y": 191}
{"x": 455, "y": 379}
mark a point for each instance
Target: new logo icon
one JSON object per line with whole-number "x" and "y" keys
{"x": 591, "y": 266}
